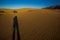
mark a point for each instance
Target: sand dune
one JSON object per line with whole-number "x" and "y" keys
{"x": 34, "y": 24}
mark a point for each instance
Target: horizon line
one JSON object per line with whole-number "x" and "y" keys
{"x": 17, "y": 8}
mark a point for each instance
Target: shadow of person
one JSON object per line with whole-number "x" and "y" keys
{"x": 15, "y": 26}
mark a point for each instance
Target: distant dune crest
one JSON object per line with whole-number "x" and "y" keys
{"x": 53, "y": 7}
{"x": 24, "y": 10}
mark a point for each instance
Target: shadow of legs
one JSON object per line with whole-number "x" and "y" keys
{"x": 15, "y": 26}
{"x": 13, "y": 36}
{"x": 18, "y": 35}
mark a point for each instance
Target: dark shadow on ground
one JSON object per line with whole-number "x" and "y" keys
{"x": 15, "y": 26}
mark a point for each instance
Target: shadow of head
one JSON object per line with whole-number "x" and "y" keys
{"x": 14, "y": 11}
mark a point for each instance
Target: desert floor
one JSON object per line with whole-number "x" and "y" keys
{"x": 33, "y": 25}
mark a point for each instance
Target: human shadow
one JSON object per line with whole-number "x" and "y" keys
{"x": 15, "y": 26}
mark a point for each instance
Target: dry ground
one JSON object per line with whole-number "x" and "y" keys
{"x": 38, "y": 24}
